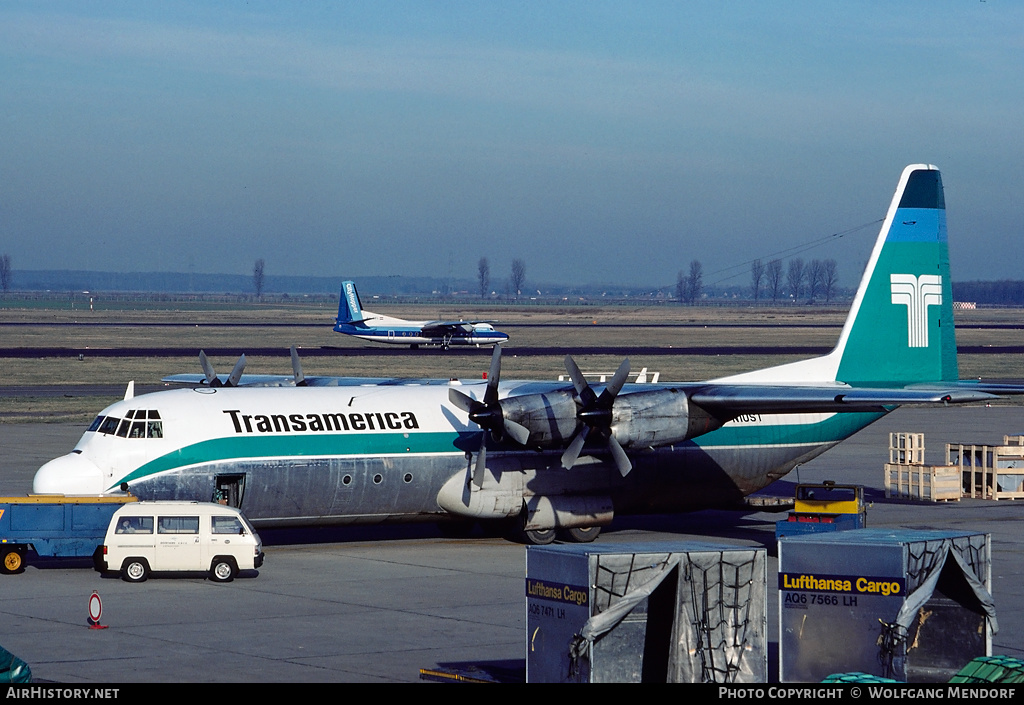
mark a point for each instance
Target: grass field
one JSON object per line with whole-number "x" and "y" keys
{"x": 309, "y": 327}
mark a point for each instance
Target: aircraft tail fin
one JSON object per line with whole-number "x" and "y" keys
{"x": 350, "y": 309}
{"x": 900, "y": 327}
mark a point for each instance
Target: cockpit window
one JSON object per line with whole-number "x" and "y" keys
{"x": 138, "y": 423}
{"x": 109, "y": 424}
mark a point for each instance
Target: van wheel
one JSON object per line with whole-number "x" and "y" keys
{"x": 223, "y": 570}
{"x": 13, "y": 561}
{"x": 134, "y": 570}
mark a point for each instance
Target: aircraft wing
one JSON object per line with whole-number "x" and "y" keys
{"x": 243, "y": 381}
{"x": 441, "y": 327}
{"x": 199, "y": 380}
{"x": 730, "y": 400}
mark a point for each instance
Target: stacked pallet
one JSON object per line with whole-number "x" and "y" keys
{"x": 907, "y": 477}
{"x": 971, "y": 470}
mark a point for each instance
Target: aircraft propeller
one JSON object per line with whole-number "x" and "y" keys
{"x": 596, "y": 413}
{"x": 487, "y": 415}
{"x": 297, "y": 376}
{"x": 211, "y": 376}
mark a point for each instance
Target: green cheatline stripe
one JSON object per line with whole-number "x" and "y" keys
{"x": 833, "y": 428}
{"x": 250, "y": 447}
{"x": 306, "y": 445}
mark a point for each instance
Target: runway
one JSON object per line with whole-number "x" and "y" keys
{"x": 27, "y": 353}
{"x": 377, "y": 604}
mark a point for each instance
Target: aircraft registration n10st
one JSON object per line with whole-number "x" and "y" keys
{"x": 557, "y": 458}
{"x": 354, "y": 320}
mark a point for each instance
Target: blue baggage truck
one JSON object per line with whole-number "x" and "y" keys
{"x": 53, "y": 526}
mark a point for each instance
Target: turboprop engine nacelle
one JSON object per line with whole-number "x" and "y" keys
{"x": 658, "y": 418}
{"x": 550, "y": 418}
{"x": 640, "y": 419}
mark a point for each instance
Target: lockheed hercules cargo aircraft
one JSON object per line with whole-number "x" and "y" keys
{"x": 355, "y": 321}
{"x": 557, "y": 458}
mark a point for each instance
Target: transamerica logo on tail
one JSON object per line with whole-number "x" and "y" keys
{"x": 917, "y": 294}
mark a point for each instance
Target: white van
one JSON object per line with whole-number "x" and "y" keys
{"x": 179, "y": 536}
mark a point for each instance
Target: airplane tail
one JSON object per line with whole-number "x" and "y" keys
{"x": 350, "y": 309}
{"x": 900, "y": 328}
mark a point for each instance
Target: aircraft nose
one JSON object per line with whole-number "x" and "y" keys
{"x": 68, "y": 474}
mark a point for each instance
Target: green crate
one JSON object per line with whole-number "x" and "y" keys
{"x": 991, "y": 669}
{"x": 857, "y": 677}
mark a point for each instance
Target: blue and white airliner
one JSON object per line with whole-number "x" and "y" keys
{"x": 354, "y": 320}
{"x": 548, "y": 457}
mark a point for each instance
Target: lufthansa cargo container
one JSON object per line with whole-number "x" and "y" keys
{"x": 647, "y": 612}
{"x": 905, "y": 604}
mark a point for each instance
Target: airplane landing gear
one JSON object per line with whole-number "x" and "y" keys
{"x": 579, "y": 534}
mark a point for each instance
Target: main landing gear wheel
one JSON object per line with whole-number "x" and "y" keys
{"x": 580, "y": 534}
{"x": 13, "y": 561}
{"x": 538, "y": 537}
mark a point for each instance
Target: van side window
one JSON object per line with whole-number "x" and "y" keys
{"x": 226, "y": 525}
{"x": 135, "y": 525}
{"x": 178, "y": 525}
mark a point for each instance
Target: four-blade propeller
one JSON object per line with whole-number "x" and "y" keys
{"x": 487, "y": 415}
{"x": 211, "y": 376}
{"x": 595, "y": 412}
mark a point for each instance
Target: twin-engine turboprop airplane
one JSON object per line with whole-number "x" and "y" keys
{"x": 355, "y": 321}
{"x": 555, "y": 457}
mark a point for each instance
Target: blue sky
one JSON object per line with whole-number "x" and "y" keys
{"x": 597, "y": 141}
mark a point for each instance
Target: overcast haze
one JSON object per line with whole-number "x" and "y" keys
{"x": 598, "y": 142}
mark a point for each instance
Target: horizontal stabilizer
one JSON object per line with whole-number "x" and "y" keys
{"x": 732, "y": 400}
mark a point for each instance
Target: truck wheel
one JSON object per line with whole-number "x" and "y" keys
{"x": 13, "y": 561}
{"x": 223, "y": 570}
{"x": 134, "y": 570}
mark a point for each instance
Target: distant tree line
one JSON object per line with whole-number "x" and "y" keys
{"x": 814, "y": 282}
{"x": 5, "y": 272}
{"x": 515, "y": 282}
{"x": 996, "y": 293}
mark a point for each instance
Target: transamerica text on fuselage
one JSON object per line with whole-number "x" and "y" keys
{"x": 297, "y": 423}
